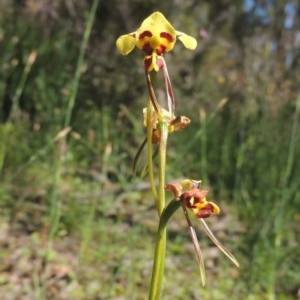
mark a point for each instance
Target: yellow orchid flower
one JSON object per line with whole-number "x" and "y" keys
{"x": 155, "y": 36}
{"x": 191, "y": 196}
{"x": 195, "y": 200}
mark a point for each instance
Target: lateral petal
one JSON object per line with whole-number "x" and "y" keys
{"x": 125, "y": 43}
{"x": 188, "y": 41}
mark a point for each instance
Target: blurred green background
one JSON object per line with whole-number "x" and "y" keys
{"x": 75, "y": 223}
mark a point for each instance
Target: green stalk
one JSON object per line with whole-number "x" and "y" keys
{"x": 160, "y": 247}
{"x": 87, "y": 232}
{"x": 150, "y": 151}
{"x": 74, "y": 88}
{"x": 20, "y": 88}
{"x": 163, "y": 126}
{"x": 158, "y": 265}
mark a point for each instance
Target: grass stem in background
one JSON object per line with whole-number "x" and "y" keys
{"x": 285, "y": 188}
{"x": 203, "y": 153}
{"x": 6, "y": 129}
{"x": 77, "y": 76}
{"x": 20, "y": 88}
{"x": 293, "y": 143}
{"x": 54, "y": 199}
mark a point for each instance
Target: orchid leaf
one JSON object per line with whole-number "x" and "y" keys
{"x": 168, "y": 213}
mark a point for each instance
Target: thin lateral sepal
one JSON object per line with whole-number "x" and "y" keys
{"x": 218, "y": 243}
{"x": 169, "y": 89}
{"x": 145, "y": 169}
{"x": 137, "y": 156}
{"x": 197, "y": 248}
{"x": 151, "y": 92}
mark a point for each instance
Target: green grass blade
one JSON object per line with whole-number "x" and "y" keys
{"x": 74, "y": 88}
{"x": 293, "y": 142}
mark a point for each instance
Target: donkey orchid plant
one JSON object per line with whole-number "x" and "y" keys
{"x": 155, "y": 37}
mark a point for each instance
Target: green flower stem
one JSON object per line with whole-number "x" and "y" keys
{"x": 158, "y": 265}
{"x": 150, "y": 151}
{"x": 161, "y": 239}
{"x": 163, "y": 126}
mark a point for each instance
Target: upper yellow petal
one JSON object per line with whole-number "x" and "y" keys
{"x": 156, "y": 31}
{"x": 188, "y": 41}
{"x": 157, "y": 23}
{"x": 126, "y": 43}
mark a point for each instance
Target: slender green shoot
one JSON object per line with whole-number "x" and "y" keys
{"x": 80, "y": 61}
